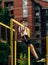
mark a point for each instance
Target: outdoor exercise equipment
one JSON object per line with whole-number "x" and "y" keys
{"x": 15, "y": 43}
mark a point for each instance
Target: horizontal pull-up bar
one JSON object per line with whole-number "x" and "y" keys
{"x": 18, "y": 23}
{"x": 6, "y": 26}
{"x": 11, "y": 42}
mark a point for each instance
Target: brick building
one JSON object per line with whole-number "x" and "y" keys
{"x": 35, "y": 12}
{"x": 21, "y": 10}
{"x": 43, "y": 27}
{"x": 24, "y": 10}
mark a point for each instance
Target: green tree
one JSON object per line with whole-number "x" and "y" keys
{"x": 22, "y": 60}
{"x": 4, "y": 52}
{"x": 4, "y": 15}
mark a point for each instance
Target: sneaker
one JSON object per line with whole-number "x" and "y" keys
{"x": 41, "y": 60}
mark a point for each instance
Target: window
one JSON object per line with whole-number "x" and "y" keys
{"x": 45, "y": 0}
{"x": 46, "y": 17}
{"x": 47, "y": 32}
{"x": 37, "y": 14}
{"x": 36, "y": 28}
{"x": 37, "y": 45}
{"x": 25, "y": 8}
{"x": 8, "y": 0}
{"x": 37, "y": 8}
{"x": 46, "y": 24}
{"x": 8, "y": 3}
{"x": 25, "y": 12}
{"x": 24, "y": 2}
{"x": 37, "y": 36}
{"x": 37, "y": 20}
{"x": 46, "y": 12}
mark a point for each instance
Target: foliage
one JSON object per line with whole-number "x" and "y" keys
{"x": 21, "y": 61}
{"x": 4, "y": 15}
{"x": 22, "y": 49}
{"x": 4, "y": 52}
{"x": 0, "y": 2}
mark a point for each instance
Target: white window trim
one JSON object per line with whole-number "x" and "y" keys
{"x": 45, "y": 0}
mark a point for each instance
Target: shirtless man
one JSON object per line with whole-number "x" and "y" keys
{"x": 25, "y": 38}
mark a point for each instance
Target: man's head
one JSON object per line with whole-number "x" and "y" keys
{"x": 23, "y": 22}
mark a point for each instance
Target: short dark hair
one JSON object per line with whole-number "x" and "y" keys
{"x": 22, "y": 20}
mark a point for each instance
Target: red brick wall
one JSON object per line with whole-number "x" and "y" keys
{"x": 42, "y": 3}
{"x": 18, "y": 13}
{"x": 31, "y": 17}
{"x": 17, "y": 9}
{"x": 3, "y": 3}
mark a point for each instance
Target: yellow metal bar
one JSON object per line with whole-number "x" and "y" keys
{"x": 28, "y": 55}
{"x": 46, "y": 50}
{"x": 28, "y": 49}
{"x": 6, "y": 26}
{"x": 11, "y": 38}
{"x": 11, "y": 42}
{"x": 15, "y": 52}
{"x": 16, "y": 22}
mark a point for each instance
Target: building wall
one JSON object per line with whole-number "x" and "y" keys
{"x": 18, "y": 13}
{"x": 31, "y": 16}
{"x": 18, "y": 10}
{"x": 44, "y": 10}
{"x": 44, "y": 4}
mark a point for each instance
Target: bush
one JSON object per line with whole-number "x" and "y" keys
{"x": 22, "y": 60}
{"x": 4, "y": 52}
{"x": 4, "y": 15}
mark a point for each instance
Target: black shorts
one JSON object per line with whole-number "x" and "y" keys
{"x": 26, "y": 39}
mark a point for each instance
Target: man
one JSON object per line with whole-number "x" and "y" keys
{"x": 24, "y": 35}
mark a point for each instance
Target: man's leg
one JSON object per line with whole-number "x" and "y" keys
{"x": 33, "y": 51}
{"x": 35, "y": 54}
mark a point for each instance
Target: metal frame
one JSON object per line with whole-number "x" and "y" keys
{"x": 15, "y": 42}
{"x": 11, "y": 33}
{"x": 11, "y": 41}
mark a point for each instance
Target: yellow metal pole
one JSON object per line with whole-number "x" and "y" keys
{"x": 46, "y": 50}
{"x": 28, "y": 49}
{"x": 15, "y": 52}
{"x": 28, "y": 55}
{"x": 11, "y": 42}
{"x": 15, "y": 49}
{"x": 6, "y": 26}
{"x": 16, "y": 22}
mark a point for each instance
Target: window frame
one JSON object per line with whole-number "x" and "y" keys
{"x": 45, "y": 0}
